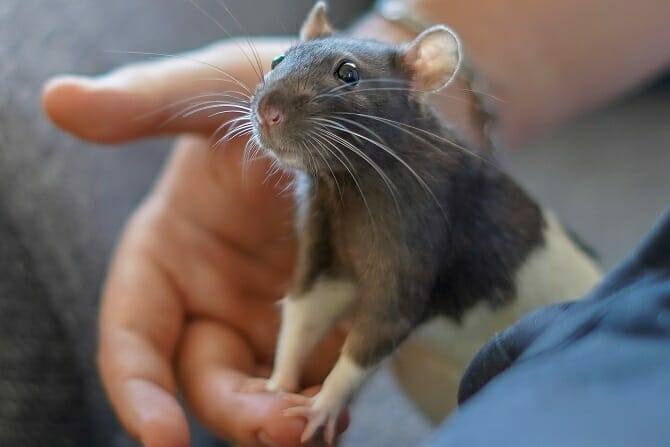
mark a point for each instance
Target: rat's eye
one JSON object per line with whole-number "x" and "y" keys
{"x": 348, "y": 72}
{"x": 276, "y": 61}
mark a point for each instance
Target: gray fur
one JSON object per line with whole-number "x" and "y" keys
{"x": 414, "y": 247}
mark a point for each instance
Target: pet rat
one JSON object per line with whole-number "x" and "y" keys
{"x": 398, "y": 222}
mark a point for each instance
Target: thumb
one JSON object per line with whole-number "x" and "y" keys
{"x": 157, "y": 97}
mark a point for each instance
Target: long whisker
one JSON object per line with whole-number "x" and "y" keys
{"x": 336, "y": 124}
{"x": 390, "y": 152}
{"x": 238, "y": 130}
{"x": 362, "y": 82}
{"x": 313, "y": 141}
{"x": 338, "y": 121}
{"x": 242, "y": 96}
{"x": 404, "y": 82}
{"x": 401, "y": 89}
{"x": 244, "y": 29}
{"x": 243, "y": 119}
{"x": 208, "y": 105}
{"x": 358, "y": 152}
{"x": 404, "y": 128}
{"x": 325, "y": 140}
{"x": 229, "y": 35}
{"x": 393, "y": 190}
{"x": 193, "y": 109}
{"x": 482, "y": 92}
{"x": 179, "y": 56}
{"x": 226, "y": 94}
{"x": 232, "y": 126}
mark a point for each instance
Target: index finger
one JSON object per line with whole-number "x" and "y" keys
{"x": 145, "y": 99}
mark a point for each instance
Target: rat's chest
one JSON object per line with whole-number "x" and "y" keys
{"x": 357, "y": 229}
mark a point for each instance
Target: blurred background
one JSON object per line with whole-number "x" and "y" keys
{"x": 62, "y": 202}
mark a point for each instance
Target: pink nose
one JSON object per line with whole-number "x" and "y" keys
{"x": 270, "y": 115}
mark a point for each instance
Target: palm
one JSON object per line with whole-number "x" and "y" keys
{"x": 223, "y": 237}
{"x": 236, "y": 247}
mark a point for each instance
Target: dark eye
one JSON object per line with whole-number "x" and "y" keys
{"x": 348, "y": 72}
{"x": 276, "y": 61}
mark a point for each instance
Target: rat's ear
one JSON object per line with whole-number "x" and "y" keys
{"x": 316, "y": 24}
{"x": 433, "y": 59}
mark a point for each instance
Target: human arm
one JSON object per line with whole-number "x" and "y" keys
{"x": 106, "y": 110}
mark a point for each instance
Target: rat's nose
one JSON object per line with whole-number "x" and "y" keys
{"x": 270, "y": 115}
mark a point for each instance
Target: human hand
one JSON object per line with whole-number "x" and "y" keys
{"x": 190, "y": 299}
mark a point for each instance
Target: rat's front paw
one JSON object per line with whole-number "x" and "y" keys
{"x": 286, "y": 383}
{"x": 319, "y": 412}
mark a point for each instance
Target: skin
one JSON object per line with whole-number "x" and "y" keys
{"x": 177, "y": 309}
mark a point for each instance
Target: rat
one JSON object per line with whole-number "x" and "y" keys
{"x": 399, "y": 224}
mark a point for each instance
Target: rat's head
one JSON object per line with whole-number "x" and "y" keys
{"x": 322, "y": 84}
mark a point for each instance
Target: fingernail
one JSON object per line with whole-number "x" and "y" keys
{"x": 265, "y": 439}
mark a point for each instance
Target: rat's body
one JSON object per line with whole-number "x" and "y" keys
{"x": 397, "y": 222}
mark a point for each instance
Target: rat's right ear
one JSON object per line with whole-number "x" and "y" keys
{"x": 433, "y": 59}
{"x": 316, "y": 24}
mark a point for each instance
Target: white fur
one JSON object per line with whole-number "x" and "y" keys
{"x": 305, "y": 320}
{"x": 326, "y": 406}
{"x": 429, "y": 365}
{"x": 344, "y": 379}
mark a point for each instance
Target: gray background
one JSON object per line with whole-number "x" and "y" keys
{"x": 63, "y": 201}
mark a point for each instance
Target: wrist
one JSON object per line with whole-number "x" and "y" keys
{"x": 512, "y": 59}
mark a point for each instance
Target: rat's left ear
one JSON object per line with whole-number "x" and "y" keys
{"x": 316, "y": 24}
{"x": 433, "y": 59}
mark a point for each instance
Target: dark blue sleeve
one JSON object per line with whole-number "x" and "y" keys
{"x": 593, "y": 372}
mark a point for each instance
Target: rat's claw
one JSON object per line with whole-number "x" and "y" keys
{"x": 314, "y": 421}
{"x": 329, "y": 430}
{"x": 318, "y": 415}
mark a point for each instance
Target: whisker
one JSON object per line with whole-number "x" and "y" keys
{"x": 361, "y": 82}
{"x": 179, "y": 56}
{"x": 335, "y": 120}
{"x": 228, "y": 34}
{"x": 242, "y": 96}
{"x": 393, "y": 190}
{"x": 226, "y": 94}
{"x": 417, "y": 177}
{"x": 402, "y": 127}
{"x": 482, "y": 92}
{"x": 351, "y": 173}
{"x": 236, "y": 128}
{"x": 231, "y": 128}
{"x": 225, "y": 112}
{"x": 238, "y": 131}
{"x": 244, "y": 29}
{"x": 313, "y": 141}
{"x": 441, "y": 94}
{"x": 192, "y": 110}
